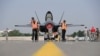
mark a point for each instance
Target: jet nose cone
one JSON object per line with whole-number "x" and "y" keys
{"x": 48, "y": 16}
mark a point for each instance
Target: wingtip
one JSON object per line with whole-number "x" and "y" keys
{"x": 82, "y": 25}
{"x": 15, "y": 25}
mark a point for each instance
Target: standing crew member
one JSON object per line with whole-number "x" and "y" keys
{"x": 6, "y": 33}
{"x": 86, "y": 33}
{"x": 63, "y": 27}
{"x": 97, "y": 33}
{"x": 89, "y": 34}
{"x": 34, "y": 25}
{"x": 93, "y": 30}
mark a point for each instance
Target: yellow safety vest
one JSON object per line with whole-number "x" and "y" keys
{"x": 34, "y": 25}
{"x": 64, "y": 26}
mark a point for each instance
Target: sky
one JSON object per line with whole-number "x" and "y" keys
{"x": 14, "y": 12}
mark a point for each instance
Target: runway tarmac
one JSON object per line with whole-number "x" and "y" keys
{"x": 29, "y": 48}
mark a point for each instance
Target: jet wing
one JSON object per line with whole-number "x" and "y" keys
{"x": 72, "y": 25}
{"x": 69, "y": 25}
{"x": 27, "y": 25}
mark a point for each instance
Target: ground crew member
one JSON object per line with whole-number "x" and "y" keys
{"x": 63, "y": 27}
{"x": 93, "y": 30}
{"x": 86, "y": 33}
{"x": 6, "y": 33}
{"x": 89, "y": 34}
{"x": 34, "y": 25}
{"x": 97, "y": 33}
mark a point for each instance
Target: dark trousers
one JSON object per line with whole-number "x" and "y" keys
{"x": 97, "y": 36}
{"x": 34, "y": 34}
{"x": 63, "y": 35}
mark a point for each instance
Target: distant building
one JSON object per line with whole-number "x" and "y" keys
{"x": 2, "y": 33}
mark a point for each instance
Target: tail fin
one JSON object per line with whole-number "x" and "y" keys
{"x": 37, "y": 17}
{"x": 61, "y": 17}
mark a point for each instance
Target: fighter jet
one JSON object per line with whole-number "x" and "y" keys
{"x": 49, "y": 26}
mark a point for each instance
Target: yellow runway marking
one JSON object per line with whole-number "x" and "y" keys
{"x": 49, "y": 49}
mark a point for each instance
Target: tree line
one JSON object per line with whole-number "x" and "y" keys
{"x": 18, "y": 33}
{"x": 78, "y": 33}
